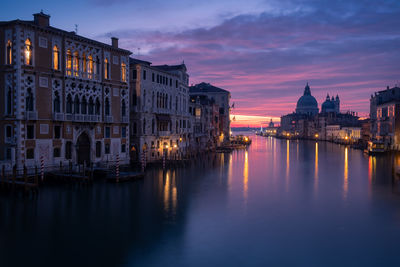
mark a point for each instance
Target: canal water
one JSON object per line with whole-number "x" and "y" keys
{"x": 279, "y": 203}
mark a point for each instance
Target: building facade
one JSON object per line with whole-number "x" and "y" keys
{"x": 385, "y": 117}
{"x": 160, "y": 111}
{"x": 221, "y": 98}
{"x": 65, "y": 97}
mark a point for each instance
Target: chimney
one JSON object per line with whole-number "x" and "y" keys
{"x": 41, "y": 19}
{"x": 114, "y": 42}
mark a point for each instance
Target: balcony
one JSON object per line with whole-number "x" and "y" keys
{"x": 10, "y": 140}
{"x": 31, "y": 115}
{"x": 58, "y": 116}
{"x": 164, "y": 133}
{"x": 124, "y": 119}
{"x": 108, "y": 119}
{"x": 95, "y": 118}
{"x": 69, "y": 117}
{"x": 82, "y": 118}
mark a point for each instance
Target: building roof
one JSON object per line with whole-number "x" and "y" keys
{"x": 307, "y": 103}
{"x": 206, "y": 88}
{"x": 138, "y": 61}
{"x": 70, "y": 34}
{"x": 171, "y": 67}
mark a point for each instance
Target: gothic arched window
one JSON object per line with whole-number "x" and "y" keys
{"x": 56, "y": 58}
{"x": 106, "y": 69}
{"x": 97, "y": 107}
{"x": 69, "y": 63}
{"x": 76, "y": 63}
{"x": 9, "y": 53}
{"x": 123, "y": 72}
{"x": 91, "y": 106}
{"x": 56, "y": 104}
{"x": 90, "y": 68}
{"x": 29, "y": 100}
{"x": 107, "y": 107}
{"x": 123, "y": 108}
{"x": 152, "y": 126}
{"x": 28, "y": 52}
{"x": 83, "y": 105}
{"x": 9, "y": 101}
{"x": 76, "y": 105}
{"x": 69, "y": 104}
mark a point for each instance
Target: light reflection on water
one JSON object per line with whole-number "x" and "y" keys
{"x": 306, "y": 203}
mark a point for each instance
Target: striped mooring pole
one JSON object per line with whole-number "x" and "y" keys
{"x": 41, "y": 168}
{"x": 117, "y": 169}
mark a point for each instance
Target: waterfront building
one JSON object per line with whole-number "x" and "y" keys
{"x": 306, "y": 122}
{"x": 337, "y": 133}
{"x": 221, "y": 98}
{"x": 385, "y": 117}
{"x": 64, "y": 96}
{"x": 159, "y": 113}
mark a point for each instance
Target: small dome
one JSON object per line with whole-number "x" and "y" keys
{"x": 327, "y": 106}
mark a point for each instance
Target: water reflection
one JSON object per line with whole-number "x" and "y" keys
{"x": 246, "y": 175}
{"x": 316, "y": 168}
{"x": 188, "y": 217}
{"x": 287, "y": 165}
{"x": 346, "y": 172}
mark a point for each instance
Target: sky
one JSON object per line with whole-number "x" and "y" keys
{"x": 262, "y": 51}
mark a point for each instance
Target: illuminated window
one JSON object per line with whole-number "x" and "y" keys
{"x": 69, "y": 62}
{"x": 28, "y": 52}
{"x": 76, "y": 64}
{"x": 56, "y": 58}
{"x": 90, "y": 69}
{"x": 9, "y": 53}
{"x": 106, "y": 69}
{"x": 123, "y": 72}
{"x": 84, "y": 63}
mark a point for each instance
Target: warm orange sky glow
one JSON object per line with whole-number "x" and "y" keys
{"x": 252, "y": 121}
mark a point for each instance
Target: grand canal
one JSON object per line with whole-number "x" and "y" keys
{"x": 280, "y": 203}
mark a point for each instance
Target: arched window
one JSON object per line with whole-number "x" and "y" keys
{"x": 56, "y": 102}
{"x": 144, "y": 126}
{"x": 69, "y": 104}
{"x": 123, "y": 108}
{"x": 83, "y": 105}
{"x": 152, "y": 101}
{"x": 158, "y": 99}
{"x": 56, "y": 58}
{"x": 9, "y": 53}
{"x": 76, "y": 105}
{"x": 176, "y": 130}
{"x": 29, "y": 100}
{"x": 9, "y": 101}
{"x": 76, "y": 63}
{"x": 106, "y": 69}
{"x": 28, "y": 52}
{"x": 84, "y": 64}
{"x": 69, "y": 63}
{"x": 97, "y": 66}
{"x": 152, "y": 126}
{"x": 107, "y": 107}
{"x": 123, "y": 72}
{"x": 97, "y": 108}
{"x": 91, "y": 106}
{"x": 90, "y": 68}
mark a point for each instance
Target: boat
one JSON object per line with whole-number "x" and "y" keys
{"x": 376, "y": 148}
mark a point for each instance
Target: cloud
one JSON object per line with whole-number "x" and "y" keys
{"x": 348, "y": 48}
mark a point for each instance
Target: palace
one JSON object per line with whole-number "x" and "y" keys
{"x": 66, "y": 96}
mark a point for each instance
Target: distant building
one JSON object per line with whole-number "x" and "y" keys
{"x": 331, "y": 105}
{"x": 221, "y": 97}
{"x": 306, "y": 122}
{"x": 65, "y": 97}
{"x": 160, "y": 113}
{"x": 385, "y": 117}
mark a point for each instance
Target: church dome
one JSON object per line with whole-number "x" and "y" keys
{"x": 307, "y": 104}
